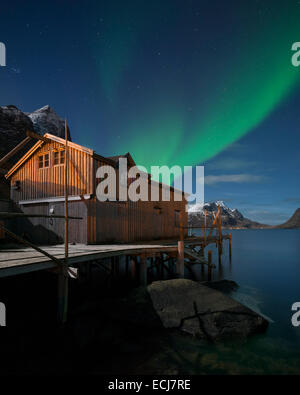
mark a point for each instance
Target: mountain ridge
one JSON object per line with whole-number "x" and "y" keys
{"x": 233, "y": 218}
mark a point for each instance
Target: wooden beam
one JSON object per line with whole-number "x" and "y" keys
{"x": 209, "y": 265}
{"x": 23, "y": 215}
{"x": 191, "y": 254}
{"x": 63, "y": 275}
{"x": 143, "y": 270}
{"x": 14, "y": 150}
{"x": 37, "y": 136}
{"x": 180, "y": 257}
{"x": 28, "y": 244}
{"x": 213, "y": 224}
{"x": 205, "y": 214}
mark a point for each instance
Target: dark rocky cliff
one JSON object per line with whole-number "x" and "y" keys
{"x": 293, "y": 222}
{"x": 13, "y": 126}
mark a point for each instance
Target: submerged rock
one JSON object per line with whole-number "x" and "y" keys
{"x": 202, "y": 311}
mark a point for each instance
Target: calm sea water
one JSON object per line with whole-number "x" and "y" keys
{"x": 266, "y": 265}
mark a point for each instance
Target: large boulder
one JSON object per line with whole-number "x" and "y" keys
{"x": 202, "y": 311}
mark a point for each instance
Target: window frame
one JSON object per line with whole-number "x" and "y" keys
{"x": 61, "y": 157}
{"x": 42, "y": 160}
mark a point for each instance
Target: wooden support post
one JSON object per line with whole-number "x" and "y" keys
{"x": 171, "y": 266}
{"x": 143, "y": 270}
{"x": 63, "y": 275}
{"x": 161, "y": 268}
{"x": 220, "y": 234}
{"x": 117, "y": 266}
{"x": 127, "y": 266}
{"x": 180, "y": 257}
{"x": 205, "y": 214}
{"x": 201, "y": 252}
{"x": 229, "y": 247}
{"x": 209, "y": 265}
{"x": 133, "y": 268}
{"x": 14, "y": 151}
{"x": 214, "y": 223}
{"x": 112, "y": 268}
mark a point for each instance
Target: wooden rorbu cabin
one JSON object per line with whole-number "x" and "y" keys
{"x": 37, "y": 187}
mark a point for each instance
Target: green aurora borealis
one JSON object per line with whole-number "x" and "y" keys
{"x": 203, "y": 85}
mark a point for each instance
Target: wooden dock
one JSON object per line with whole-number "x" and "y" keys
{"x": 69, "y": 260}
{"x": 19, "y": 260}
{"x": 14, "y": 261}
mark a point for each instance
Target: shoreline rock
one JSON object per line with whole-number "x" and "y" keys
{"x": 203, "y": 312}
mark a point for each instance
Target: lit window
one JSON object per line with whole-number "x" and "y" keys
{"x": 59, "y": 158}
{"x": 46, "y": 160}
{"x": 56, "y": 158}
{"x": 62, "y": 157}
{"x": 43, "y": 161}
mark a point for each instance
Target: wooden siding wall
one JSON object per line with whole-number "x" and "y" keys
{"x": 38, "y": 183}
{"x": 132, "y": 221}
{"x": 51, "y": 230}
{"x": 103, "y": 221}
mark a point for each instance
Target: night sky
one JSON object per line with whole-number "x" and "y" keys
{"x": 172, "y": 82}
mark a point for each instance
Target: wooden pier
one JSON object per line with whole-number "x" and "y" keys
{"x": 19, "y": 260}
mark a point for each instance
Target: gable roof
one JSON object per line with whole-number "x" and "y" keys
{"x": 50, "y": 137}
{"x": 127, "y": 156}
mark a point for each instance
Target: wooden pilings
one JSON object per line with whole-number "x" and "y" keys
{"x": 205, "y": 219}
{"x": 63, "y": 279}
{"x": 133, "y": 265}
{"x": 209, "y": 265}
{"x": 180, "y": 259}
{"x": 143, "y": 270}
{"x": 230, "y": 247}
{"x": 220, "y": 241}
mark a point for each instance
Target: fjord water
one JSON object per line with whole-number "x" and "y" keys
{"x": 266, "y": 266}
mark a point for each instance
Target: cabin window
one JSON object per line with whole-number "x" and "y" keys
{"x": 43, "y": 161}
{"x": 58, "y": 158}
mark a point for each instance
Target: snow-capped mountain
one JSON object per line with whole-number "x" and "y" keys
{"x": 45, "y": 120}
{"x": 230, "y": 217}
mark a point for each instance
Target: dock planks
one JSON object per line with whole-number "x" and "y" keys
{"x": 15, "y": 261}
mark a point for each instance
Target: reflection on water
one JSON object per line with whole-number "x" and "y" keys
{"x": 266, "y": 265}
